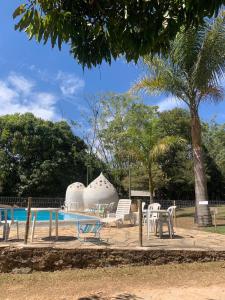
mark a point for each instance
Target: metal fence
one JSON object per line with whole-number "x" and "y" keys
{"x": 165, "y": 203}
{"x": 59, "y": 201}
{"x": 36, "y": 201}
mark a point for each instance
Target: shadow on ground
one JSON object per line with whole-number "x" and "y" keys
{"x": 124, "y": 296}
{"x": 63, "y": 239}
{"x": 175, "y": 237}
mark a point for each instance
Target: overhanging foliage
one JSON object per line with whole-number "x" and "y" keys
{"x": 98, "y": 30}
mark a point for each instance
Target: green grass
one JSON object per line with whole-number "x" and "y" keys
{"x": 185, "y": 218}
{"x": 219, "y": 229}
{"x": 190, "y": 212}
{"x": 185, "y": 212}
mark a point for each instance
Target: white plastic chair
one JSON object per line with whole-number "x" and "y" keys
{"x": 168, "y": 220}
{"x": 152, "y": 217}
{"x": 171, "y": 212}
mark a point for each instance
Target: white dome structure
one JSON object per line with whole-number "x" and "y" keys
{"x": 74, "y": 196}
{"x": 99, "y": 191}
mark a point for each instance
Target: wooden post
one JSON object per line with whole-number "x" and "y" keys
{"x": 6, "y": 226}
{"x": 56, "y": 225}
{"x": 28, "y": 220}
{"x": 12, "y": 214}
{"x": 50, "y": 224}
{"x": 33, "y": 226}
{"x": 140, "y": 222}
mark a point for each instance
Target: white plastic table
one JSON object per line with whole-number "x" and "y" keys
{"x": 35, "y": 211}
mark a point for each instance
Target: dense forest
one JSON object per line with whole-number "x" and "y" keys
{"x": 41, "y": 158}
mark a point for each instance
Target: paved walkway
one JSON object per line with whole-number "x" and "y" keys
{"x": 125, "y": 237}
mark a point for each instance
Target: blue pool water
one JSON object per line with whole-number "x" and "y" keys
{"x": 20, "y": 214}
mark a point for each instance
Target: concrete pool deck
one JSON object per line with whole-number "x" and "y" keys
{"x": 119, "y": 238}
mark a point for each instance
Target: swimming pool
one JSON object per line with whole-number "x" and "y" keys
{"x": 20, "y": 214}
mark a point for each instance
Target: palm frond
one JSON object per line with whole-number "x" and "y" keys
{"x": 164, "y": 145}
{"x": 185, "y": 48}
{"x": 162, "y": 77}
{"x": 213, "y": 93}
{"x": 193, "y": 67}
{"x": 153, "y": 85}
{"x": 210, "y": 64}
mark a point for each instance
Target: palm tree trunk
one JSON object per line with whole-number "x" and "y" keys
{"x": 202, "y": 209}
{"x": 151, "y": 188}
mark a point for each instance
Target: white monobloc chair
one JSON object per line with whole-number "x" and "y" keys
{"x": 168, "y": 220}
{"x": 152, "y": 217}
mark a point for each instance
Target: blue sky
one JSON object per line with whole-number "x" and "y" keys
{"x": 50, "y": 83}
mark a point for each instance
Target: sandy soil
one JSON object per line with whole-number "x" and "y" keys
{"x": 190, "y": 281}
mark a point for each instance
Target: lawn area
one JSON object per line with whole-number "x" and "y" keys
{"x": 166, "y": 282}
{"x": 218, "y": 229}
{"x": 185, "y": 219}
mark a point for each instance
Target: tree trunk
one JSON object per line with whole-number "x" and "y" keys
{"x": 151, "y": 188}
{"x": 201, "y": 195}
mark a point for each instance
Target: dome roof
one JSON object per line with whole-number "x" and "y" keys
{"x": 76, "y": 186}
{"x": 99, "y": 191}
{"x": 74, "y": 196}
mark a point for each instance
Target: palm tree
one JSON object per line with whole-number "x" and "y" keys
{"x": 191, "y": 72}
{"x": 144, "y": 139}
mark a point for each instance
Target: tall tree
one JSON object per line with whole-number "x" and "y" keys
{"x": 130, "y": 131}
{"x": 38, "y": 157}
{"x": 146, "y": 141}
{"x": 177, "y": 163}
{"x": 191, "y": 73}
{"x": 214, "y": 145}
{"x": 98, "y": 30}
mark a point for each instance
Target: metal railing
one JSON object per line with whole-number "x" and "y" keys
{"x": 36, "y": 201}
{"x": 59, "y": 201}
{"x": 186, "y": 203}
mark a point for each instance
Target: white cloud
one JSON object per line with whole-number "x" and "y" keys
{"x": 20, "y": 83}
{"x": 69, "y": 83}
{"x": 6, "y": 94}
{"x": 17, "y": 95}
{"x": 42, "y": 74}
{"x": 169, "y": 103}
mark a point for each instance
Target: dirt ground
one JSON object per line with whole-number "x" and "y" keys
{"x": 168, "y": 282}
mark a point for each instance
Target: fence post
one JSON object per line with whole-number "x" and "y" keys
{"x": 28, "y": 220}
{"x": 140, "y": 222}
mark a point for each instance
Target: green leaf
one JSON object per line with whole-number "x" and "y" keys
{"x": 19, "y": 11}
{"x": 59, "y": 42}
{"x": 24, "y": 21}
